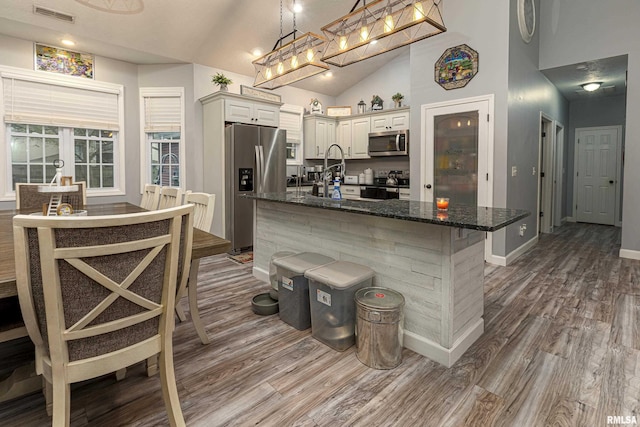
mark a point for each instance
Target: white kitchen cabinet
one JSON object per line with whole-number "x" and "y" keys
{"x": 251, "y": 112}
{"x": 390, "y": 121}
{"x": 344, "y": 137}
{"x": 319, "y": 133}
{"x": 360, "y": 129}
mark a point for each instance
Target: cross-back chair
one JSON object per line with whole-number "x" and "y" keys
{"x": 97, "y": 294}
{"x": 28, "y": 198}
{"x": 150, "y": 197}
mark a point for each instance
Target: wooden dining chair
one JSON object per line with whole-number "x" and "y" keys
{"x": 150, "y": 197}
{"x": 170, "y": 197}
{"x": 28, "y": 198}
{"x": 97, "y": 294}
{"x": 204, "y": 205}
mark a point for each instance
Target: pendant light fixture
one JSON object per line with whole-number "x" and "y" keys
{"x": 291, "y": 62}
{"x": 379, "y": 27}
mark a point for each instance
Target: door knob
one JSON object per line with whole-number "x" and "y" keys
{"x": 428, "y": 186}
{"x": 610, "y": 181}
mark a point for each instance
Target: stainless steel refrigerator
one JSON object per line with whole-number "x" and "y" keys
{"x": 256, "y": 163}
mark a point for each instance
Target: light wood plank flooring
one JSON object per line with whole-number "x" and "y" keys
{"x": 561, "y": 347}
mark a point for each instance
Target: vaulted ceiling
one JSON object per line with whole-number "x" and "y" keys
{"x": 217, "y": 33}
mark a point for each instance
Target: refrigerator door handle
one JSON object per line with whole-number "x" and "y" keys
{"x": 258, "y": 177}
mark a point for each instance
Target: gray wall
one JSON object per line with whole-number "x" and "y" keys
{"x": 530, "y": 93}
{"x": 483, "y": 26}
{"x": 19, "y": 53}
{"x": 608, "y": 111}
{"x": 572, "y": 32}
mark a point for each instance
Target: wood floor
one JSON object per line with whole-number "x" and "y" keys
{"x": 561, "y": 347}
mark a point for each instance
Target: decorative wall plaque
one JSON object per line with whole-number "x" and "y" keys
{"x": 456, "y": 67}
{"x": 255, "y": 93}
{"x": 63, "y": 61}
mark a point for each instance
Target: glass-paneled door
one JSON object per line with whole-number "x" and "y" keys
{"x": 456, "y": 152}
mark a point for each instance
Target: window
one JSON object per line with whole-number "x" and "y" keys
{"x": 162, "y": 149}
{"x": 291, "y": 121}
{"x": 60, "y": 117}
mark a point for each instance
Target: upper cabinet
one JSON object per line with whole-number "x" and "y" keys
{"x": 353, "y": 137}
{"x": 251, "y": 112}
{"x": 390, "y": 121}
{"x": 319, "y": 134}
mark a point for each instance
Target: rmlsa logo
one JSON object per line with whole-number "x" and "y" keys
{"x": 620, "y": 419}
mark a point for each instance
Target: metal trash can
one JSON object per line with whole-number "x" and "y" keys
{"x": 379, "y": 326}
{"x": 273, "y": 272}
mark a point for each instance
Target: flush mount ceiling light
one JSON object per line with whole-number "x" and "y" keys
{"x": 591, "y": 86}
{"x": 289, "y": 63}
{"x": 379, "y": 27}
{"x": 124, "y": 7}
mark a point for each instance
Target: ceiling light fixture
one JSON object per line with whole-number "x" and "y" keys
{"x": 297, "y": 7}
{"x": 591, "y": 86}
{"x": 392, "y": 23}
{"x": 289, "y": 63}
{"x": 123, "y": 7}
{"x": 67, "y": 42}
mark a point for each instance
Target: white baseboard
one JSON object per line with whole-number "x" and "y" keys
{"x": 261, "y": 274}
{"x": 504, "y": 261}
{"x": 444, "y": 356}
{"x": 628, "y": 253}
{"x": 570, "y": 219}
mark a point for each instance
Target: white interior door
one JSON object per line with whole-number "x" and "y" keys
{"x": 596, "y": 179}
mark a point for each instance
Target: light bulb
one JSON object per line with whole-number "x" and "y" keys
{"x": 388, "y": 23}
{"x": 294, "y": 61}
{"x": 268, "y": 73}
{"x": 364, "y": 33}
{"x": 309, "y": 54}
{"x": 468, "y": 122}
{"x": 280, "y": 68}
{"x": 418, "y": 11}
{"x": 343, "y": 42}
{"x": 459, "y": 124}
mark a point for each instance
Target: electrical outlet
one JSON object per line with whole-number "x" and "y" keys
{"x": 514, "y": 170}
{"x": 523, "y": 228}
{"x": 533, "y": 171}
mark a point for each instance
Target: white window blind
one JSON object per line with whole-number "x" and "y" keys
{"x": 40, "y": 102}
{"x": 291, "y": 121}
{"x": 162, "y": 113}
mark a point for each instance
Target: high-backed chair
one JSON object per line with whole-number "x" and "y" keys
{"x": 170, "y": 197}
{"x": 204, "y": 205}
{"x": 28, "y": 198}
{"x": 97, "y": 294}
{"x": 150, "y": 197}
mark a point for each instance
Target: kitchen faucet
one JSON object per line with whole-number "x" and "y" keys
{"x": 342, "y": 165}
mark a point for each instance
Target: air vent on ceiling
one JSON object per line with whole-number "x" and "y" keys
{"x": 39, "y": 10}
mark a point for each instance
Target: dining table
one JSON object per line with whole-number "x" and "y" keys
{"x": 23, "y": 380}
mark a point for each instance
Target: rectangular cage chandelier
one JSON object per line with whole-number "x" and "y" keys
{"x": 379, "y": 27}
{"x": 296, "y": 60}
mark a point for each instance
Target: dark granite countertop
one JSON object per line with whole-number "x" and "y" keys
{"x": 471, "y": 217}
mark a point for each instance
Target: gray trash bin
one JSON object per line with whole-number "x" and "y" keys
{"x": 333, "y": 311}
{"x": 273, "y": 272}
{"x": 379, "y": 327}
{"x": 293, "y": 287}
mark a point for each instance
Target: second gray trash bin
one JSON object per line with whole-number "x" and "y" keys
{"x": 293, "y": 287}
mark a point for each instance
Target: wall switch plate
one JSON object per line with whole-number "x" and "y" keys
{"x": 514, "y": 170}
{"x": 523, "y": 228}
{"x": 533, "y": 170}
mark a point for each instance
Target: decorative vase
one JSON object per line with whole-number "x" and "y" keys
{"x": 398, "y": 104}
{"x": 224, "y": 88}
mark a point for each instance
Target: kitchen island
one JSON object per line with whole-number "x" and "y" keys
{"x": 434, "y": 258}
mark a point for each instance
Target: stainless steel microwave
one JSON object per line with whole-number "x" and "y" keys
{"x": 389, "y": 143}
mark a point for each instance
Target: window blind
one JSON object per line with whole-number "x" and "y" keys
{"x": 46, "y": 103}
{"x": 162, "y": 113}
{"x": 291, "y": 121}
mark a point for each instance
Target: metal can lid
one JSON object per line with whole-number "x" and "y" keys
{"x": 379, "y": 298}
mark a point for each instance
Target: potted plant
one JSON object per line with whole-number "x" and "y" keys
{"x": 397, "y": 99}
{"x": 376, "y": 103}
{"x": 222, "y": 81}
